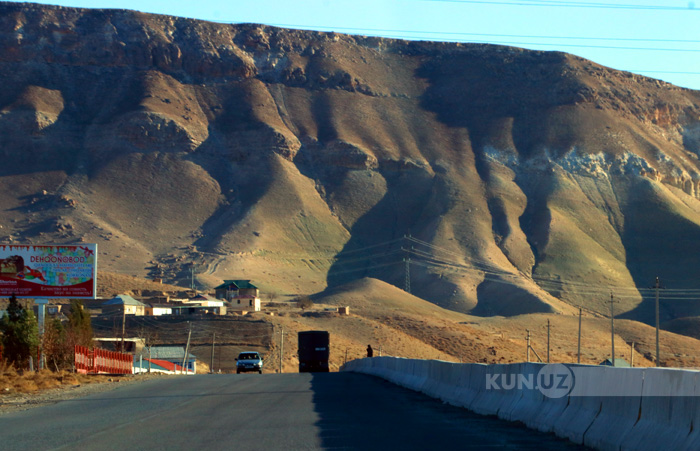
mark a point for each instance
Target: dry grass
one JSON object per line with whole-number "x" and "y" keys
{"x": 13, "y": 381}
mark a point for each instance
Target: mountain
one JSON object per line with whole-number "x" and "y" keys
{"x": 507, "y": 181}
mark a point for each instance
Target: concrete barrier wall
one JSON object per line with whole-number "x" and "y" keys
{"x": 617, "y": 413}
{"x": 608, "y": 408}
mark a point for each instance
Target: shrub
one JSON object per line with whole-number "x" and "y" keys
{"x": 304, "y": 302}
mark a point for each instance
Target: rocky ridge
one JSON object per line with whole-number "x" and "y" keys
{"x": 541, "y": 180}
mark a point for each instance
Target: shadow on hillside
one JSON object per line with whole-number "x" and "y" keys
{"x": 672, "y": 255}
{"x": 374, "y": 247}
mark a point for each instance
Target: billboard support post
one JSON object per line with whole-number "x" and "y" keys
{"x": 41, "y": 304}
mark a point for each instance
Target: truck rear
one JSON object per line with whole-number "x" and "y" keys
{"x": 314, "y": 351}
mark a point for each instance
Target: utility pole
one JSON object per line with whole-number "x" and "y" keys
{"x": 192, "y": 276}
{"x": 281, "y": 347}
{"x": 407, "y": 270}
{"x": 612, "y": 327}
{"x": 41, "y": 304}
{"x": 211, "y": 367}
{"x": 187, "y": 348}
{"x": 632, "y": 354}
{"x": 548, "y": 329}
{"x": 579, "y": 335}
{"x": 407, "y": 281}
{"x": 657, "y": 285}
{"x": 528, "y": 345}
{"x": 123, "y": 325}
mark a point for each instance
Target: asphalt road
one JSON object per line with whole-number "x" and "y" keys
{"x": 263, "y": 412}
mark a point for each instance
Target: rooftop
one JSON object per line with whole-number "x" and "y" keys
{"x": 239, "y": 284}
{"x": 166, "y": 352}
{"x": 123, "y": 299}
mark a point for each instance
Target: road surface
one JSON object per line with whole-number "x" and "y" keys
{"x": 263, "y": 412}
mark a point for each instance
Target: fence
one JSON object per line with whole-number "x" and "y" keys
{"x": 99, "y": 361}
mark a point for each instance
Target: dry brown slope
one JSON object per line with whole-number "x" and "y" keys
{"x": 493, "y": 340}
{"x": 261, "y": 153}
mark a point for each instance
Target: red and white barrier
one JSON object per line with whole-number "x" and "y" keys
{"x": 100, "y": 361}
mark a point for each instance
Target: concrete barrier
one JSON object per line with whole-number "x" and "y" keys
{"x": 433, "y": 384}
{"x": 469, "y": 388}
{"x": 693, "y": 439}
{"x": 668, "y": 403}
{"x": 477, "y": 382}
{"x": 580, "y": 412}
{"x": 464, "y": 393}
{"x": 547, "y": 413}
{"x": 446, "y": 374}
{"x": 487, "y": 399}
{"x": 607, "y": 408}
{"x": 515, "y": 383}
{"x": 618, "y": 414}
{"x": 531, "y": 400}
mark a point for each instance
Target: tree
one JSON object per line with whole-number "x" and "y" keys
{"x": 79, "y": 325}
{"x": 59, "y": 340}
{"x": 304, "y": 302}
{"x": 20, "y": 334}
{"x": 54, "y": 345}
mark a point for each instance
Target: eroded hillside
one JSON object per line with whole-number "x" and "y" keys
{"x": 528, "y": 182}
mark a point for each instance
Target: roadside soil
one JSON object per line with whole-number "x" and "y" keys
{"x": 14, "y": 399}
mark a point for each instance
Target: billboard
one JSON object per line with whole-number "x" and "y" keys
{"x": 48, "y": 271}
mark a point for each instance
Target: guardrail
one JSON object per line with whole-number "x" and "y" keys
{"x": 600, "y": 406}
{"x": 100, "y": 361}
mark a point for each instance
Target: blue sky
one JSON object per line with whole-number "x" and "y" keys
{"x": 657, "y": 38}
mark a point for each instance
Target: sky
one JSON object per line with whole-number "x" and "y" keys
{"x": 656, "y": 38}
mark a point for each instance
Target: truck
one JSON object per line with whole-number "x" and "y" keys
{"x": 314, "y": 350}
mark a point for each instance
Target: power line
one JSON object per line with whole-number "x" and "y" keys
{"x": 401, "y": 34}
{"x": 565, "y": 4}
{"x": 496, "y": 35}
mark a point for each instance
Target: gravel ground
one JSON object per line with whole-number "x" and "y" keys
{"x": 15, "y": 402}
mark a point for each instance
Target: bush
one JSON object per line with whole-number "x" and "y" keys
{"x": 304, "y": 302}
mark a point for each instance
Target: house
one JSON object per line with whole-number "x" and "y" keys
{"x": 196, "y": 309}
{"x": 206, "y": 301}
{"x": 174, "y": 355}
{"x": 241, "y": 295}
{"x": 159, "y": 309}
{"x": 124, "y": 303}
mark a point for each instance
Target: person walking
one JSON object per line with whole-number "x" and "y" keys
{"x": 370, "y": 352}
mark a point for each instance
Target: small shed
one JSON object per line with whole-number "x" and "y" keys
{"x": 172, "y": 354}
{"x": 622, "y": 363}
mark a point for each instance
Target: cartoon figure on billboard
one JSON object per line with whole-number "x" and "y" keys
{"x": 12, "y": 266}
{"x": 31, "y": 274}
